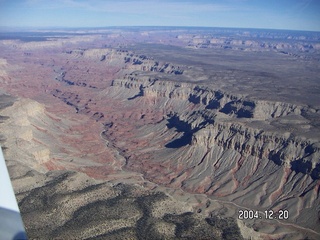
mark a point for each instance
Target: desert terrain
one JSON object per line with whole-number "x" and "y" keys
{"x": 163, "y": 133}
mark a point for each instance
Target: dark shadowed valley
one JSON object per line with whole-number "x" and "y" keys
{"x": 163, "y": 133}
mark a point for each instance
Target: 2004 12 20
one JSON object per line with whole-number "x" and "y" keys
{"x": 267, "y": 214}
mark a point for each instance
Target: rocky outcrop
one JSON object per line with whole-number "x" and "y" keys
{"x": 202, "y": 139}
{"x": 283, "y": 149}
{"x": 211, "y": 99}
{"x": 227, "y": 145}
{"x": 205, "y": 132}
{"x": 70, "y": 204}
{"x": 290, "y": 43}
{"x": 299, "y": 155}
{"x": 21, "y": 133}
{"x": 127, "y": 60}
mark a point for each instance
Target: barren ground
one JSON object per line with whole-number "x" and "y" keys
{"x": 165, "y": 135}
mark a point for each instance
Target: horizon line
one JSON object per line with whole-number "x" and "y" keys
{"x": 29, "y": 28}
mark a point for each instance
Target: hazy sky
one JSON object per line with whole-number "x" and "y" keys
{"x": 276, "y": 14}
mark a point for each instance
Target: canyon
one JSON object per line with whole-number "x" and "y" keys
{"x": 114, "y": 134}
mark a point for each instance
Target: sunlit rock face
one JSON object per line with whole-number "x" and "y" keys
{"x": 226, "y": 146}
{"x": 192, "y": 134}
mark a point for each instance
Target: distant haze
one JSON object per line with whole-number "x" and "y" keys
{"x": 272, "y": 14}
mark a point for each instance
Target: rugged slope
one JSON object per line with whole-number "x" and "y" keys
{"x": 68, "y": 204}
{"x": 120, "y": 116}
{"x": 223, "y": 145}
{"x": 206, "y": 140}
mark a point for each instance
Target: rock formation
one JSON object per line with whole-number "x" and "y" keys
{"x": 192, "y": 136}
{"x": 220, "y": 145}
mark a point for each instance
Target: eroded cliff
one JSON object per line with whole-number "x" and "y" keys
{"x": 256, "y": 153}
{"x": 124, "y": 116}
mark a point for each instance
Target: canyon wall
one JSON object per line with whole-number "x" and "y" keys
{"x": 259, "y": 154}
{"x": 122, "y": 116}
